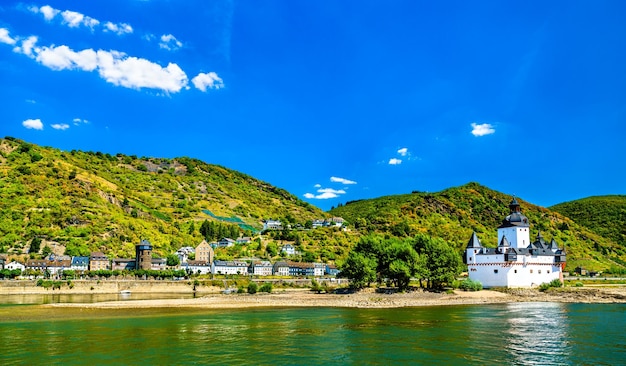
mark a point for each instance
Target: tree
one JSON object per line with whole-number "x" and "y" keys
{"x": 359, "y": 269}
{"x": 35, "y": 245}
{"x": 192, "y": 228}
{"x": 252, "y": 288}
{"x": 46, "y": 251}
{"x": 173, "y": 260}
{"x": 442, "y": 262}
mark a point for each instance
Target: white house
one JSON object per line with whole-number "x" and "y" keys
{"x": 288, "y": 249}
{"x": 516, "y": 262}
{"x": 272, "y": 225}
{"x": 226, "y": 243}
{"x": 229, "y": 267}
{"x": 263, "y": 268}
{"x": 15, "y": 265}
{"x": 197, "y": 267}
{"x": 183, "y": 253}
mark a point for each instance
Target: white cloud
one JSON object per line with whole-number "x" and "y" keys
{"x": 48, "y": 12}
{"x": 119, "y": 28}
{"x": 394, "y": 161}
{"x": 403, "y": 151}
{"x": 115, "y": 67}
{"x": 323, "y": 196}
{"x": 210, "y": 80}
{"x": 60, "y": 126}
{"x": 75, "y": 19}
{"x": 78, "y": 121}
{"x": 27, "y": 46}
{"x": 317, "y": 185}
{"x": 135, "y": 73}
{"x": 330, "y": 190}
{"x": 341, "y": 180}
{"x": 62, "y": 57}
{"x": 482, "y": 129}
{"x": 33, "y": 124}
{"x": 5, "y": 38}
{"x": 170, "y": 43}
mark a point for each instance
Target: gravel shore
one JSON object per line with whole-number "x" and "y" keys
{"x": 367, "y": 299}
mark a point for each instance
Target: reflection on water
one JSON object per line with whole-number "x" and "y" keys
{"x": 522, "y": 333}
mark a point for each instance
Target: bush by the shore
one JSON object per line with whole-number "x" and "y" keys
{"x": 470, "y": 285}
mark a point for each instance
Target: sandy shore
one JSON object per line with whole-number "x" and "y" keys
{"x": 366, "y": 299}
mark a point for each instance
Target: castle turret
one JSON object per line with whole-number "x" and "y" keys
{"x": 143, "y": 255}
{"x": 515, "y": 227}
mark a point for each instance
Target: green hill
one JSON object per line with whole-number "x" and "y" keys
{"x": 78, "y": 202}
{"x": 454, "y": 213}
{"x": 604, "y": 215}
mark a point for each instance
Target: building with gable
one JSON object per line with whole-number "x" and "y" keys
{"x": 516, "y": 261}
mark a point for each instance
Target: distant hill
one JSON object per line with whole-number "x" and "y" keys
{"x": 454, "y": 213}
{"x": 83, "y": 201}
{"x": 604, "y": 215}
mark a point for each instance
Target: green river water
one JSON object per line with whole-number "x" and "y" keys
{"x": 519, "y": 334}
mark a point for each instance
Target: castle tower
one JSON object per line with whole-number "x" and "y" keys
{"x": 515, "y": 227}
{"x": 143, "y": 255}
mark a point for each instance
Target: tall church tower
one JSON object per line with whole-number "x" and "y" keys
{"x": 515, "y": 227}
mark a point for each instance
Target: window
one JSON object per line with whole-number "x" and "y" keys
{"x": 470, "y": 258}
{"x": 514, "y": 271}
{"x": 548, "y": 271}
{"x": 531, "y": 271}
{"x": 539, "y": 271}
{"x": 495, "y": 271}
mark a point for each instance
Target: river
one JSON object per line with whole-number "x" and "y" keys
{"x": 518, "y": 333}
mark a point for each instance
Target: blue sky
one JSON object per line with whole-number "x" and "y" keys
{"x": 332, "y": 100}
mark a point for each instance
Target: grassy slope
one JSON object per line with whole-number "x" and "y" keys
{"x": 91, "y": 201}
{"x": 454, "y": 213}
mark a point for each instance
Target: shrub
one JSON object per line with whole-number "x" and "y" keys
{"x": 578, "y": 284}
{"x": 266, "y": 287}
{"x": 252, "y": 288}
{"x": 470, "y": 285}
{"x": 554, "y": 283}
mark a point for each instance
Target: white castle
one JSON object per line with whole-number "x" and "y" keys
{"x": 516, "y": 262}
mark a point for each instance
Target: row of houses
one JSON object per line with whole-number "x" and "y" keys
{"x": 332, "y": 222}
{"x": 260, "y": 268}
{"x": 56, "y": 266}
{"x": 204, "y": 263}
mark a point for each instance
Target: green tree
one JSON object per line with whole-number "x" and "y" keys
{"x": 252, "y": 288}
{"x": 442, "y": 263}
{"x": 359, "y": 269}
{"x": 35, "y": 245}
{"x": 173, "y": 260}
{"x": 46, "y": 251}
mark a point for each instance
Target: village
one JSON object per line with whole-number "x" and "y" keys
{"x": 199, "y": 260}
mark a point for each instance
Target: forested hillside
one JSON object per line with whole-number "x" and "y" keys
{"x": 454, "y": 213}
{"x": 78, "y": 201}
{"x": 604, "y": 215}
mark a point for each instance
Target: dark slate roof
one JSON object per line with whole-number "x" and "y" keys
{"x": 474, "y": 242}
{"x": 504, "y": 242}
{"x": 516, "y": 217}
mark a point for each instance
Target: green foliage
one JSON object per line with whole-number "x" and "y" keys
{"x": 552, "y": 284}
{"x": 470, "y": 285}
{"x": 397, "y": 261}
{"x": 266, "y": 287}
{"x": 604, "y": 215}
{"x": 172, "y": 260}
{"x": 108, "y": 205}
{"x": 252, "y": 288}
{"x": 35, "y": 245}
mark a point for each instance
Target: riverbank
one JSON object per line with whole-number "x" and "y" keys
{"x": 366, "y": 299}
